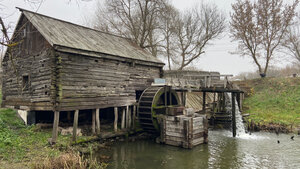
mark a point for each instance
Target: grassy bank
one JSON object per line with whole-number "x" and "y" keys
{"x": 24, "y": 146}
{"x": 274, "y": 101}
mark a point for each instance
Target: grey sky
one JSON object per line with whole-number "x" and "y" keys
{"x": 216, "y": 57}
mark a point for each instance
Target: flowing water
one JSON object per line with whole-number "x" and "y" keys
{"x": 240, "y": 128}
{"x": 258, "y": 150}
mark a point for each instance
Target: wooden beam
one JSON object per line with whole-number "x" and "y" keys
{"x": 233, "y": 115}
{"x": 94, "y": 122}
{"x": 116, "y": 119}
{"x": 55, "y": 127}
{"x": 223, "y": 102}
{"x": 98, "y": 121}
{"x": 204, "y": 102}
{"x": 127, "y": 116}
{"x": 170, "y": 95}
{"x": 123, "y": 119}
{"x": 75, "y": 125}
{"x": 134, "y": 116}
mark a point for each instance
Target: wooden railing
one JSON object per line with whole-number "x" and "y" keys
{"x": 194, "y": 79}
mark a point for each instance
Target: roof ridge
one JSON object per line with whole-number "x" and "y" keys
{"x": 35, "y": 13}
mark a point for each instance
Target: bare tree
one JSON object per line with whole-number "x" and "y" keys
{"x": 134, "y": 19}
{"x": 260, "y": 27}
{"x": 292, "y": 42}
{"x": 167, "y": 27}
{"x": 194, "y": 30}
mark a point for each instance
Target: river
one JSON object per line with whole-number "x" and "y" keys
{"x": 258, "y": 150}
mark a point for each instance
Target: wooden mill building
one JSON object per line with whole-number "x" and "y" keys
{"x": 57, "y": 66}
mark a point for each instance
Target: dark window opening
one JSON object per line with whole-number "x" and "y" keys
{"x": 25, "y": 83}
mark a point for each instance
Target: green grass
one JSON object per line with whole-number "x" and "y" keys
{"x": 274, "y": 101}
{"x": 24, "y": 146}
{"x": 19, "y": 142}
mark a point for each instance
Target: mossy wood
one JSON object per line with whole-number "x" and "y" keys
{"x": 153, "y": 103}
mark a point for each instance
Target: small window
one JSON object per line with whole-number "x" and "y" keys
{"x": 25, "y": 83}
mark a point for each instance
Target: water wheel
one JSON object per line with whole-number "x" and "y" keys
{"x": 153, "y": 103}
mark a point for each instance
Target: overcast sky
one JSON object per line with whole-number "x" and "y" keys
{"x": 217, "y": 57}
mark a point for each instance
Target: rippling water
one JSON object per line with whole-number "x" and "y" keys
{"x": 259, "y": 150}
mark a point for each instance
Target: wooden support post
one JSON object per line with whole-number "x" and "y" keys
{"x": 238, "y": 98}
{"x": 204, "y": 102}
{"x": 170, "y": 95}
{"x": 184, "y": 98}
{"x": 214, "y": 103}
{"x": 219, "y": 102}
{"x": 127, "y": 117}
{"x": 75, "y": 125}
{"x": 98, "y": 121}
{"x": 116, "y": 119}
{"x": 55, "y": 127}
{"x": 134, "y": 116}
{"x": 182, "y": 95}
{"x": 223, "y": 102}
{"x": 233, "y": 115}
{"x": 94, "y": 122}
{"x": 123, "y": 119}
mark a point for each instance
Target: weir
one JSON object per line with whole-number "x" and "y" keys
{"x": 230, "y": 105}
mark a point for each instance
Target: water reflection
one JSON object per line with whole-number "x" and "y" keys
{"x": 259, "y": 150}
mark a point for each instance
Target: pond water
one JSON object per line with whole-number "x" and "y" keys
{"x": 258, "y": 150}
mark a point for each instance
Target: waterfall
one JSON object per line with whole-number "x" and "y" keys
{"x": 240, "y": 128}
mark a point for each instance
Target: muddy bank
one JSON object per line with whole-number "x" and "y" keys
{"x": 274, "y": 128}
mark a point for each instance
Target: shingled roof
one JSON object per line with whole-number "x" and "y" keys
{"x": 65, "y": 34}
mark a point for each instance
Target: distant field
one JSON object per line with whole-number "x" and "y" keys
{"x": 274, "y": 101}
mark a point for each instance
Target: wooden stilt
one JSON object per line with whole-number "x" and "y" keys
{"x": 214, "y": 103}
{"x": 170, "y": 95}
{"x": 204, "y": 102}
{"x": 223, "y": 102}
{"x": 98, "y": 121}
{"x": 116, "y": 119}
{"x": 238, "y": 98}
{"x": 55, "y": 127}
{"x": 75, "y": 124}
{"x": 233, "y": 115}
{"x": 219, "y": 103}
{"x": 94, "y": 122}
{"x": 127, "y": 117}
{"x": 123, "y": 119}
{"x": 184, "y": 98}
{"x": 134, "y": 116}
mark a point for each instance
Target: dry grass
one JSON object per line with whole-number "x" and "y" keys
{"x": 68, "y": 161}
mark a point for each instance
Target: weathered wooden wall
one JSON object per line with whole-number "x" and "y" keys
{"x": 90, "y": 82}
{"x": 32, "y": 58}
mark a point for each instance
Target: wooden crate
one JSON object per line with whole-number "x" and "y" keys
{"x": 183, "y": 131}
